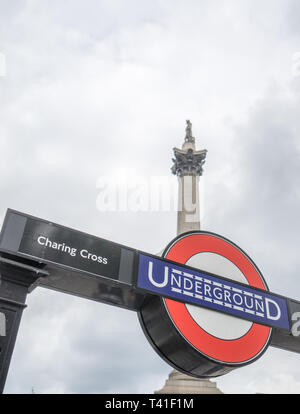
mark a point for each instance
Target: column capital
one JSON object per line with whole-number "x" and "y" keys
{"x": 188, "y": 162}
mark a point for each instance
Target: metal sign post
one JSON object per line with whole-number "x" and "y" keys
{"x": 15, "y": 280}
{"x": 177, "y": 297}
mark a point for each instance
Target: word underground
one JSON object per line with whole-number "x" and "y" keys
{"x": 212, "y": 292}
{"x": 72, "y": 251}
{"x": 209, "y": 291}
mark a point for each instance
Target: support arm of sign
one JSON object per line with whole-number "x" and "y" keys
{"x": 289, "y": 340}
{"x": 98, "y": 269}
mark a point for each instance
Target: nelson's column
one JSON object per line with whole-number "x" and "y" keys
{"x": 187, "y": 166}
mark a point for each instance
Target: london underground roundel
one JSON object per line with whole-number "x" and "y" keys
{"x": 199, "y": 341}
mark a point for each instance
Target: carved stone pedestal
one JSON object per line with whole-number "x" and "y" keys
{"x": 178, "y": 383}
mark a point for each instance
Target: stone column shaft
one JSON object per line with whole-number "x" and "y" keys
{"x": 188, "y": 203}
{"x": 188, "y": 167}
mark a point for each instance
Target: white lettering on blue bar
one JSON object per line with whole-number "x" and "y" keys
{"x": 169, "y": 279}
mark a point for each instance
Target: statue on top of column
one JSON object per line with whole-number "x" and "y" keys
{"x": 188, "y": 136}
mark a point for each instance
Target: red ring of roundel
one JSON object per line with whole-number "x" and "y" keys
{"x": 234, "y": 351}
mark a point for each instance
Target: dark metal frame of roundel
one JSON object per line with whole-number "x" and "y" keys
{"x": 178, "y": 338}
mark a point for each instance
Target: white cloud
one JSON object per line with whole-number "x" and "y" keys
{"x": 97, "y": 86}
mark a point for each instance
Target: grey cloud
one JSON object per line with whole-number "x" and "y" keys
{"x": 95, "y": 88}
{"x": 293, "y": 16}
{"x": 266, "y": 170}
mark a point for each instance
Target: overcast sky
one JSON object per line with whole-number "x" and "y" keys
{"x": 98, "y": 87}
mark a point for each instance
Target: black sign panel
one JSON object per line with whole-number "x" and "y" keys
{"x": 51, "y": 243}
{"x": 61, "y": 245}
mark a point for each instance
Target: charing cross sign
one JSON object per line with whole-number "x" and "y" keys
{"x": 204, "y": 305}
